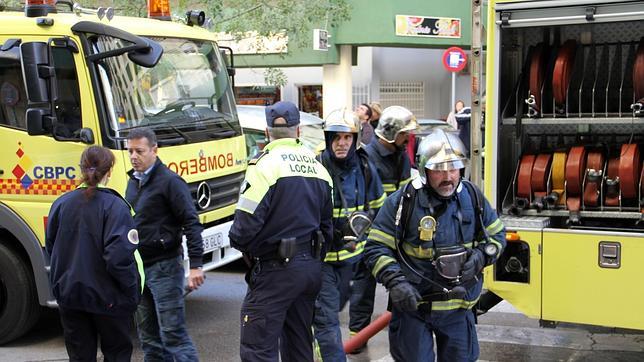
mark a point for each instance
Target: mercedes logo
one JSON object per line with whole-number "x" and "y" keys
{"x": 203, "y": 195}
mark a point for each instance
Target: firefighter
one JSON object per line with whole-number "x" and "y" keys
{"x": 357, "y": 196}
{"x": 428, "y": 247}
{"x": 282, "y": 219}
{"x": 387, "y": 152}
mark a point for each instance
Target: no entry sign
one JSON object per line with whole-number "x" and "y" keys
{"x": 454, "y": 59}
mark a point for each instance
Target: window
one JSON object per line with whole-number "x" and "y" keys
{"x": 13, "y": 98}
{"x": 68, "y": 112}
{"x": 407, "y": 94}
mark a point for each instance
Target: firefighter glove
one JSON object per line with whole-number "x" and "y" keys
{"x": 405, "y": 297}
{"x": 474, "y": 265}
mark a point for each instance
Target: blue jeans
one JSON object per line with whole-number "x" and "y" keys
{"x": 332, "y": 298}
{"x": 160, "y": 317}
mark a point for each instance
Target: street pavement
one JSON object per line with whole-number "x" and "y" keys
{"x": 213, "y": 322}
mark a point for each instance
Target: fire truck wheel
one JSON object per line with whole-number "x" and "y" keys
{"x": 19, "y": 308}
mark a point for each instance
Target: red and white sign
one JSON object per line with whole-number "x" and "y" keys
{"x": 454, "y": 59}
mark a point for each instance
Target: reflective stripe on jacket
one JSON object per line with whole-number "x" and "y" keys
{"x": 286, "y": 193}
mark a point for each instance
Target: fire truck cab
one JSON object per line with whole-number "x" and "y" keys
{"x": 75, "y": 77}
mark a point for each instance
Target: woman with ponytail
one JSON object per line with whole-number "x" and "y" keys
{"x": 94, "y": 276}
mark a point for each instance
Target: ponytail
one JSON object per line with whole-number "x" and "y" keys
{"x": 95, "y": 163}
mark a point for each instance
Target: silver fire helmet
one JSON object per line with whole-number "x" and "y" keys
{"x": 440, "y": 151}
{"x": 393, "y": 120}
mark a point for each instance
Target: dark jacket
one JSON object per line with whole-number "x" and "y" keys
{"x": 394, "y": 167}
{"x": 463, "y": 118}
{"x": 92, "y": 262}
{"x": 350, "y": 193}
{"x": 165, "y": 211}
{"x": 286, "y": 193}
{"x": 456, "y": 224}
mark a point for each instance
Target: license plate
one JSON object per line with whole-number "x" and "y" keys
{"x": 212, "y": 242}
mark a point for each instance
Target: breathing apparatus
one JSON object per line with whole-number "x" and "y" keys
{"x": 439, "y": 151}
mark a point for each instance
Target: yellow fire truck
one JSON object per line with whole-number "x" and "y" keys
{"x": 74, "y": 77}
{"x": 564, "y": 131}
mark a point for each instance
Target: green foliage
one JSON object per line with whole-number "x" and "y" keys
{"x": 275, "y": 77}
{"x": 11, "y": 4}
{"x": 296, "y": 18}
{"x": 268, "y": 17}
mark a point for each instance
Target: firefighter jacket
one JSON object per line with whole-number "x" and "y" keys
{"x": 394, "y": 167}
{"x": 93, "y": 265}
{"x": 351, "y": 193}
{"x": 286, "y": 193}
{"x": 456, "y": 224}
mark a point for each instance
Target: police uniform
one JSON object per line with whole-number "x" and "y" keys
{"x": 351, "y": 193}
{"x": 394, "y": 169}
{"x": 286, "y": 195}
{"x": 449, "y": 319}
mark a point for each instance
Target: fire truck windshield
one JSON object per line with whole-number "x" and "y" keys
{"x": 186, "y": 96}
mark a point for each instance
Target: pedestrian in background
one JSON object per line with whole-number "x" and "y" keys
{"x": 282, "y": 219}
{"x": 165, "y": 211}
{"x": 451, "y": 117}
{"x": 464, "y": 120}
{"x": 92, "y": 242}
{"x": 364, "y": 114}
{"x": 376, "y": 112}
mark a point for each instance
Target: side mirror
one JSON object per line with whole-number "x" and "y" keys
{"x": 37, "y": 119}
{"x": 227, "y": 56}
{"x": 87, "y": 136}
{"x": 147, "y": 57}
{"x": 38, "y": 72}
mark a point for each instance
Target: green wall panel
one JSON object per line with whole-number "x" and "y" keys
{"x": 372, "y": 23}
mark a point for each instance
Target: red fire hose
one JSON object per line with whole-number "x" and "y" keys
{"x": 369, "y": 331}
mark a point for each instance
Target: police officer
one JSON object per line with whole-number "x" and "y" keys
{"x": 282, "y": 219}
{"x": 431, "y": 255}
{"x": 357, "y": 196}
{"x": 387, "y": 152}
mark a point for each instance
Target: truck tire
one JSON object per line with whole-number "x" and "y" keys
{"x": 19, "y": 308}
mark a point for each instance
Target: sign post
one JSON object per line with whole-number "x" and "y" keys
{"x": 454, "y": 60}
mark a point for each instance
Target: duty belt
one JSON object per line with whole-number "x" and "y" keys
{"x": 304, "y": 245}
